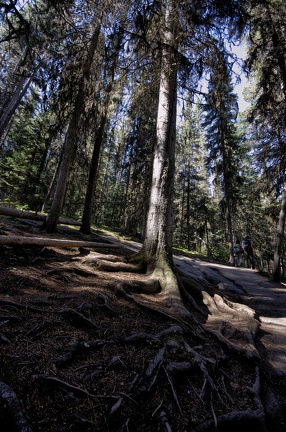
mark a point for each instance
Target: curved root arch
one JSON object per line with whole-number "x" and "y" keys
{"x": 160, "y": 279}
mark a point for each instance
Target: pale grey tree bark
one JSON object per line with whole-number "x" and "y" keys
{"x": 157, "y": 247}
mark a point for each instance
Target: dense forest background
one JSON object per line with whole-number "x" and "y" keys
{"x": 79, "y": 89}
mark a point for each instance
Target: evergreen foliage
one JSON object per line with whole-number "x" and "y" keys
{"x": 236, "y": 190}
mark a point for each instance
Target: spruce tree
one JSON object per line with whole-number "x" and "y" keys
{"x": 221, "y": 111}
{"x": 267, "y": 62}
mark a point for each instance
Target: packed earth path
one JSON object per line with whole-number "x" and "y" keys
{"x": 265, "y": 297}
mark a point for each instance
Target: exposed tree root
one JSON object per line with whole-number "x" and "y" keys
{"x": 249, "y": 418}
{"x": 161, "y": 280}
{"x": 164, "y": 422}
{"x": 250, "y": 352}
{"x": 147, "y": 286}
{"x": 19, "y": 421}
{"x": 4, "y": 339}
{"x": 147, "y": 366}
{"x": 73, "y": 269}
{"x": 118, "y": 267}
{"x": 111, "y": 263}
{"x": 5, "y": 319}
{"x": 225, "y": 322}
{"x": 17, "y": 305}
{"x": 92, "y": 258}
{"x": 78, "y": 347}
{"x": 145, "y": 302}
{"x": 77, "y": 317}
{"x": 103, "y": 303}
{"x": 253, "y": 420}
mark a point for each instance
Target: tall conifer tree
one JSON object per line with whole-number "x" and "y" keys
{"x": 221, "y": 112}
{"x": 267, "y": 59}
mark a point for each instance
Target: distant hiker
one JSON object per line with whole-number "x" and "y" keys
{"x": 238, "y": 253}
{"x": 247, "y": 247}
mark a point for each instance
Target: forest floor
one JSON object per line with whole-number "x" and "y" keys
{"x": 80, "y": 352}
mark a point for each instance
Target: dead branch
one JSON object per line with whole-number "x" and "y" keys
{"x": 66, "y": 385}
{"x": 14, "y": 408}
{"x": 38, "y": 329}
{"x": 173, "y": 391}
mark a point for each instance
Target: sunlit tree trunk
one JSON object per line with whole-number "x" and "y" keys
{"x": 159, "y": 228}
{"x": 157, "y": 246}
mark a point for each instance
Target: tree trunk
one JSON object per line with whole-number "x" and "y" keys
{"x": 159, "y": 233}
{"x": 280, "y": 56}
{"x": 70, "y": 141}
{"x": 20, "y": 81}
{"x": 230, "y": 233}
{"x": 279, "y": 238}
{"x": 157, "y": 246}
{"x": 51, "y": 189}
{"x": 87, "y": 212}
{"x": 22, "y": 88}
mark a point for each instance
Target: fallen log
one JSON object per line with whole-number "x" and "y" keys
{"x": 25, "y": 214}
{"x": 60, "y": 243}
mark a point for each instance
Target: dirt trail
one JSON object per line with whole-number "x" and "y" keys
{"x": 80, "y": 353}
{"x": 266, "y": 298}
